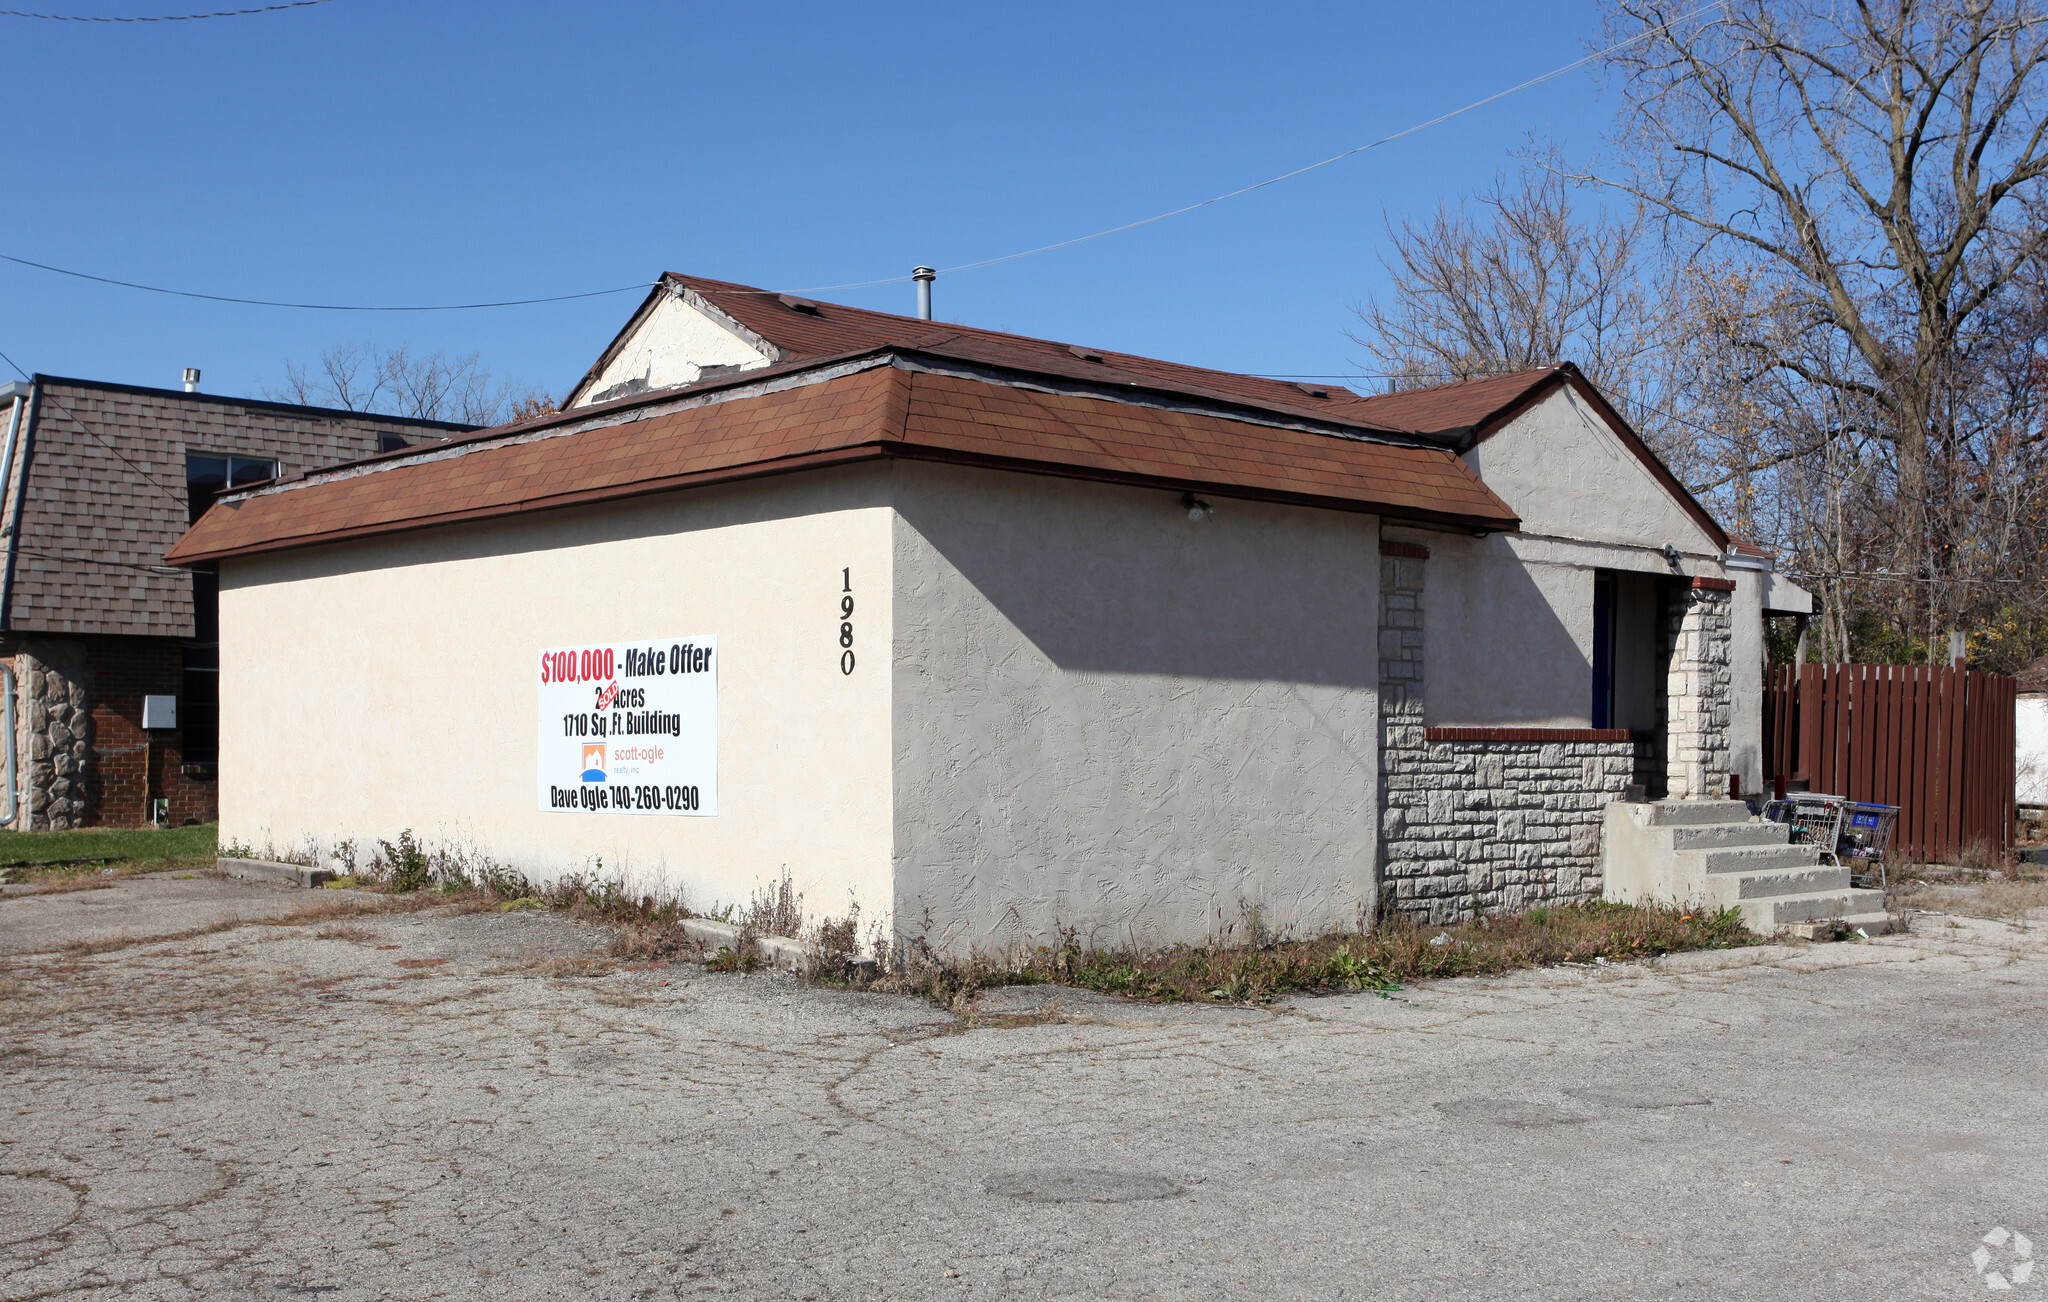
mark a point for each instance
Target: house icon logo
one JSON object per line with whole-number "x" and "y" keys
{"x": 593, "y": 762}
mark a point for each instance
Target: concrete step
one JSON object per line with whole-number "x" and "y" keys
{"x": 1871, "y": 924}
{"x": 1746, "y": 858}
{"x": 1725, "y": 889}
{"x": 1687, "y": 813}
{"x": 1769, "y": 915}
{"x": 1716, "y": 836}
{"x": 276, "y": 874}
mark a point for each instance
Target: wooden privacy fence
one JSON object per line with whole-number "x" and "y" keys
{"x": 1938, "y": 743}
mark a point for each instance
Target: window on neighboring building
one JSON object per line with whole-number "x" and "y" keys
{"x": 206, "y": 478}
{"x": 391, "y": 442}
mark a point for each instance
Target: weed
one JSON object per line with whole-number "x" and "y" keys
{"x": 1383, "y": 958}
{"x": 778, "y": 910}
{"x": 743, "y": 955}
{"x": 1983, "y": 858}
{"x": 404, "y": 867}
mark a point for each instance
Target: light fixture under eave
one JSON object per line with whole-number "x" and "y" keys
{"x": 1198, "y": 510}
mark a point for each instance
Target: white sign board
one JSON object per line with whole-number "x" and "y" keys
{"x": 630, "y": 727}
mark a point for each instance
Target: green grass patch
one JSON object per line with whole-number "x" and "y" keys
{"x": 1383, "y": 959}
{"x": 110, "y": 844}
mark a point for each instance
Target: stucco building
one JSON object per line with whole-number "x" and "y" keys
{"x": 97, "y": 480}
{"x": 990, "y": 635}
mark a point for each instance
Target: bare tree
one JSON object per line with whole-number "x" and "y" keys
{"x": 1513, "y": 279}
{"x": 1875, "y": 169}
{"x": 398, "y": 382}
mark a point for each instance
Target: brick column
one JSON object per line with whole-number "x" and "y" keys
{"x": 1699, "y": 687}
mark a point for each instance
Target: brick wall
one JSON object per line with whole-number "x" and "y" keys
{"x": 134, "y": 765}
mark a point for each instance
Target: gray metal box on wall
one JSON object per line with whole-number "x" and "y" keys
{"x": 159, "y": 712}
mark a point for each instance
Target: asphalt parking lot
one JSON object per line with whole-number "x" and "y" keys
{"x": 467, "y": 1105}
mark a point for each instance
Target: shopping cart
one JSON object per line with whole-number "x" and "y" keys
{"x": 1866, "y": 835}
{"x": 1841, "y": 829}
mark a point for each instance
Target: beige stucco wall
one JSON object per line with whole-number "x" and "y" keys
{"x": 388, "y": 684}
{"x": 1110, "y": 717}
{"x": 672, "y": 346}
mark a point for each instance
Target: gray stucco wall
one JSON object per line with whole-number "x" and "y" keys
{"x": 1111, "y": 718}
{"x": 1510, "y": 643}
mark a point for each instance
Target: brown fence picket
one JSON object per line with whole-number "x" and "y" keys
{"x": 1935, "y": 741}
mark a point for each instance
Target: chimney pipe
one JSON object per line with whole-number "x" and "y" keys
{"x": 924, "y": 277}
{"x": 191, "y": 379}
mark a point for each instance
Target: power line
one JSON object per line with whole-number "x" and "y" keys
{"x": 161, "y": 18}
{"x": 1552, "y": 75}
{"x": 315, "y": 307}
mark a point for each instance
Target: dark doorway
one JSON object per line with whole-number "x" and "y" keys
{"x": 1603, "y": 650}
{"x": 206, "y": 478}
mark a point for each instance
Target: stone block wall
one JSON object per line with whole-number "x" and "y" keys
{"x": 1479, "y": 820}
{"x": 1474, "y": 820}
{"x": 1699, "y": 690}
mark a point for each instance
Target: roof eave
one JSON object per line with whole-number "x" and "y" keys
{"x": 867, "y": 451}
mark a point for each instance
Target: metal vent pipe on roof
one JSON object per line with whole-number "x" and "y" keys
{"x": 924, "y": 276}
{"x": 191, "y": 379}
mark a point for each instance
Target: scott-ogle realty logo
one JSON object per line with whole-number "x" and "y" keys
{"x": 2004, "y": 1259}
{"x": 593, "y": 762}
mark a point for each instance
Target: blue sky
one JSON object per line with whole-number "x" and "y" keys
{"x": 376, "y": 151}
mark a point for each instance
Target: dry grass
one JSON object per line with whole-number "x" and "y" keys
{"x": 327, "y": 910}
{"x": 585, "y": 966}
{"x": 354, "y": 935}
{"x": 2007, "y": 900}
{"x": 1383, "y": 958}
{"x": 654, "y": 943}
{"x": 62, "y": 886}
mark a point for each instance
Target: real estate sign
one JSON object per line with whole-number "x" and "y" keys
{"x": 630, "y": 727}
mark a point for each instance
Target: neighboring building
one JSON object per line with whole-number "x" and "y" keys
{"x": 992, "y": 636}
{"x": 99, "y": 479}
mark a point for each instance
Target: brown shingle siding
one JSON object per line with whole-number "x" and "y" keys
{"x": 105, "y": 496}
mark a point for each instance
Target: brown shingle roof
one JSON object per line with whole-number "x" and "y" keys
{"x": 1453, "y": 410}
{"x": 832, "y": 329}
{"x": 882, "y": 410}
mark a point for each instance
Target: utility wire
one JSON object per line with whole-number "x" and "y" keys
{"x": 161, "y": 18}
{"x": 315, "y": 307}
{"x": 1552, "y": 75}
